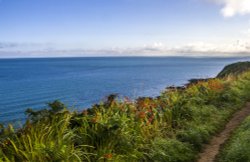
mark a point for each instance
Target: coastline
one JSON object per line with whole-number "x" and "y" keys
{"x": 80, "y": 82}
{"x": 174, "y": 125}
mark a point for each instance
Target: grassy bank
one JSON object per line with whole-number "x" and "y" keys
{"x": 171, "y": 128}
{"x": 238, "y": 147}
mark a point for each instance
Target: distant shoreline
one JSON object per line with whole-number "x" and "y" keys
{"x": 74, "y": 57}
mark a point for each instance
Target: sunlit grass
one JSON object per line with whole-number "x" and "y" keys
{"x": 237, "y": 149}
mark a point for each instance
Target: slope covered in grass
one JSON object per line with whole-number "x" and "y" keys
{"x": 170, "y": 128}
{"x": 234, "y": 69}
{"x": 238, "y": 147}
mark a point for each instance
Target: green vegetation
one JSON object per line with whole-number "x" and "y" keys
{"x": 238, "y": 147}
{"x": 234, "y": 69}
{"x": 169, "y": 128}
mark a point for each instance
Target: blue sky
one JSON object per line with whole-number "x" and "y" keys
{"x": 37, "y": 28}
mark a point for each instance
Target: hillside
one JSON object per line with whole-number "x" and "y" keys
{"x": 234, "y": 69}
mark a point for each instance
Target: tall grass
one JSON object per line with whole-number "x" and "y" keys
{"x": 238, "y": 147}
{"x": 172, "y": 127}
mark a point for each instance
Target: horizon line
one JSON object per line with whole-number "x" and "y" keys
{"x": 122, "y": 56}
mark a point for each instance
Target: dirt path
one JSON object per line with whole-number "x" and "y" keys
{"x": 212, "y": 149}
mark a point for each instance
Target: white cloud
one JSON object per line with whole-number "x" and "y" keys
{"x": 234, "y": 7}
{"x": 236, "y": 48}
{"x": 246, "y": 32}
{"x": 233, "y": 48}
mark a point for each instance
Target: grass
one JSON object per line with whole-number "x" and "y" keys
{"x": 237, "y": 148}
{"x": 234, "y": 69}
{"x": 170, "y": 128}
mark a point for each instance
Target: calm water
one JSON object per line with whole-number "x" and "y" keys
{"x": 81, "y": 82}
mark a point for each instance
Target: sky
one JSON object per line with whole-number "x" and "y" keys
{"x": 54, "y": 28}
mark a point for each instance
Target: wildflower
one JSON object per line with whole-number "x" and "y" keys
{"x": 215, "y": 85}
{"x": 142, "y": 115}
{"x": 28, "y": 126}
{"x": 151, "y": 119}
{"x": 150, "y": 110}
{"x": 108, "y": 156}
{"x": 94, "y": 120}
{"x": 7, "y": 142}
{"x": 85, "y": 112}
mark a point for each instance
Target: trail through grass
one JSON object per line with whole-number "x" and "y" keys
{"x": 212, "y": 149}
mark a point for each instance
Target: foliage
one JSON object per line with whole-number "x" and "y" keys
{"x": 170, "y": 150}
{"x": 237, "y": 149}
{"x": 234, "y": 69}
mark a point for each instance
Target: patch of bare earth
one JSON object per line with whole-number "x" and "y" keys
{"x": 212, "y": 149}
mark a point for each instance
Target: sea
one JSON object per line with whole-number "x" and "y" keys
{"x": 82, "y": 82}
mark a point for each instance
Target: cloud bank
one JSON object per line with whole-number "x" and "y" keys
{"x": 200, "y": 49}
{"x": 234, "y": 7}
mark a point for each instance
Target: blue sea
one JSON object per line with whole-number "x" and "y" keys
{"x": 82, "y": 82}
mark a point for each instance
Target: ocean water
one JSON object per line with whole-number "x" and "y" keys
{"x": 81, "y": 82}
